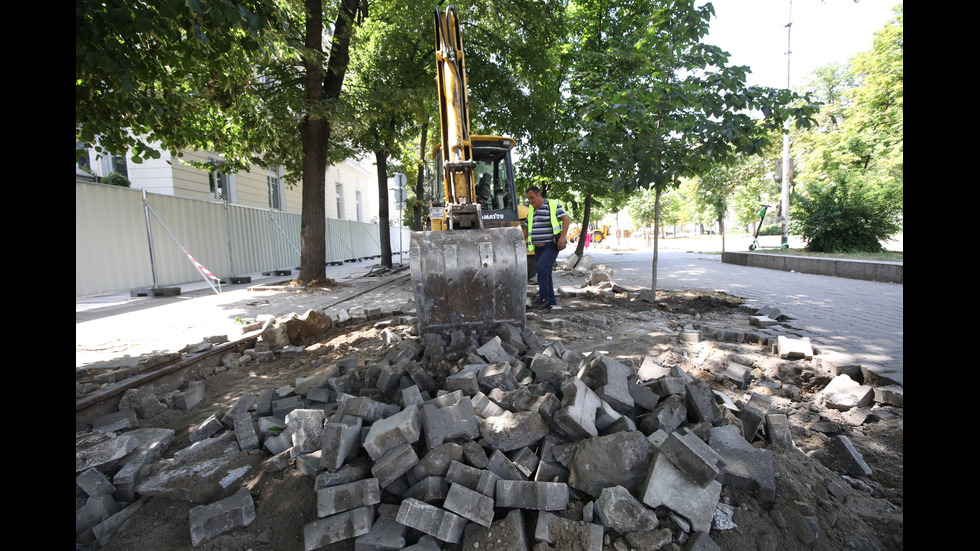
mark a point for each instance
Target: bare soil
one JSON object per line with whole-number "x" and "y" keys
{"x": 815, "y": 507}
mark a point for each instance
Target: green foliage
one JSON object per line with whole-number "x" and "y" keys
{"x": 844, "y": 217}
{"x": 771, "y": 229}
{"x": 115, "y": 179}
{"x": 172, "y": 74}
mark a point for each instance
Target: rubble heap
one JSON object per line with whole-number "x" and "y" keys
{"x": 504, "y": 443}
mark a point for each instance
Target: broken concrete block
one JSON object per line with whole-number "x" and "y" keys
{"x": 307, "y": 429}
{"x": 340, "y": 441}
{"x": 305, "y": 384}
{"x": 344, "y": 497}
{"x": 700, "y": 401}
{"x": 501, "y": 465}
{"x": 893, "y": 395}
{"x": 455, "y": 421}
{"x": 619, "y": 510}
{"x": 241, "y": 405}
{"x": 394, "y": 463}
{"x": 669, "y": 486}
{"x": 578, "y": 412}
{"x": 143, "y": 400}
{"x": 464, "y": 380}
{"x": 370, "y": 409}
{"x": 339, "y": 527}
{"x": 693, "y": 456}
{"x": 432, "y": 520}
{"x": 548, "y": 368}
{"x": 190, "y": 396}
{"x": 199, "y": 473}
{"x": 478, "y": 480}
{"x": 386, "y": 533}
{"x": 208, "y": 521}
{"x": 777, "y": 427}
{"x": 609, "y": 379}
{"x": 843, "y": 393}
{"x": 619, "y": 459}
{"x": 436, "y": 462}
{"x": 747, "y": 468}
{"x": 431, "y": 489}
{"x": 563, "y": 533}
{"x": 794, "y": 349}
{"x": 737, "y": 373}
{"x": 841, "y": 456}
{"x": 496, "y": 376}
{"x": 94, "y": 483}
{"x": 754, "y": 414}
{"x": 512, "y": 431}
{"x": 493, "y": 352}
{"x": 96, "y": 510}
{"x": 245, "y": 432}
{"x": 506, "y": 533}
{"x": 116, "y": 421}
{"x": 669, "y": 414}
{"x": 527, "y": 494}
{"x": 762, "y": 321}
{"x": 103, "y": 451}
{"x": 385, "y": 434}
{"x": 469, "y": 504}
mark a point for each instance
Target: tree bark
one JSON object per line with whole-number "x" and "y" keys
{"x": 315, "y": 131}
{"x": 656, "y": 238}
{"x": 384, "y": 229}
{"x": 580, "y": 246}
{"x": 418, "y": 218}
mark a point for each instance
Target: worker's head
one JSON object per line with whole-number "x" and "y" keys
{"x": 534, "y": 196}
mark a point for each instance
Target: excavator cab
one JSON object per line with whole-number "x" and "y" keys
{"x": 495, "y": 191}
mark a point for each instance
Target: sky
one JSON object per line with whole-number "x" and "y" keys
{"x": 822, "y": 32}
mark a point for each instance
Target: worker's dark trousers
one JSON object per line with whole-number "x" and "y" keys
{"x": 545, "y": 256}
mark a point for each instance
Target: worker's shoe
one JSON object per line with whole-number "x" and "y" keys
{"x": 540, "y": 304}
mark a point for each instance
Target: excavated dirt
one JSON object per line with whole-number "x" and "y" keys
{"x": 815, "y": 507}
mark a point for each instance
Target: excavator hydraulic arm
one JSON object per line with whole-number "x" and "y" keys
{"x": 454, "y": 118}
{"x": 466, "y": 276}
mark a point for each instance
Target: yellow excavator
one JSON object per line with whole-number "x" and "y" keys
{"x": 469, "y": 267}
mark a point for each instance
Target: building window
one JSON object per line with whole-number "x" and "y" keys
{"x": 275, "y": 194}
{"x": 340, "y": 201}
{"x": 81, "y": 157}
{"x": 220, "y": 188}
{"x": 115, "y": 163}
{"x": 360, "y": 207}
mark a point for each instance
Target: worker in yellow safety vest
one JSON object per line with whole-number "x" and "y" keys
{"x": 545, "y": 237}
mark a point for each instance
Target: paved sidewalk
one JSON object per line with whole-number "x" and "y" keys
{"x": 113, "y": 329}
{"x": 864, "y": 318}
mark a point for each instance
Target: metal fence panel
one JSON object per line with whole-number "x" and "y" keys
{"x": 113, "y": 250}
{"x": 182, "y": 229}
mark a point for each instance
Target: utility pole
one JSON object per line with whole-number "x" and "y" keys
{"x": 787, "y": 161}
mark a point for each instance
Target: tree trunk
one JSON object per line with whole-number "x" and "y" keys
{"x": 580, "y": 246}
{"x": 419, "y": 210}
{"x": 384, "y": 223}
{"x": 656, "y": 238}
{"x": 315, "y": 132}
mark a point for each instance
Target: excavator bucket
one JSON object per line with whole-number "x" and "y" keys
{"x": 470, "y": 280}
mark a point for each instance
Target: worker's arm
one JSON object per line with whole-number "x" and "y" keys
{"x": 566, "y": 222}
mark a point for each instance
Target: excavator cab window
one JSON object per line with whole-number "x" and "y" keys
{"x": 494, "y": 190}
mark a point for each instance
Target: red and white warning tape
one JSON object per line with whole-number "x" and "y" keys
{"x": 199, "y": 266}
